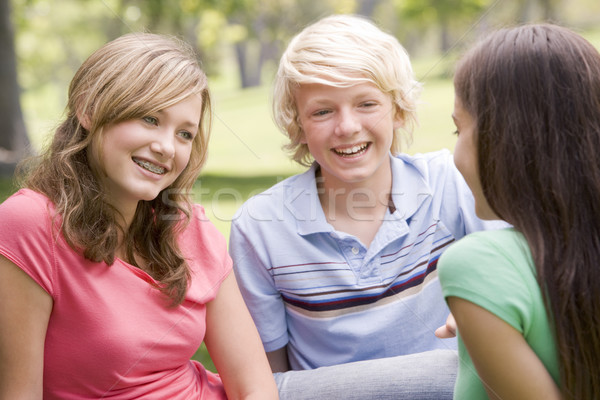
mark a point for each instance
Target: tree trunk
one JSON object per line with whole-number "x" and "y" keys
{"x": 249, "y": 64}
{"x": 367, "y": 7}
{"x": 444, "y": 36}
{"x": 14, "y": 143}
{"x": 548, "y": 10}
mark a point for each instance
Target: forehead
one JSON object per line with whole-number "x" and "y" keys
{"x": 315, "y": 91}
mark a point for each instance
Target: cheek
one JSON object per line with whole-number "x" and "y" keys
{"x": 458, "y": 158}
{"x": 183, "y": 158}
{"x": 466, "y": 165}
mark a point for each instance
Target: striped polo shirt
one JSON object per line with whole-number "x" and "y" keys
{"x": 327, "y": 296}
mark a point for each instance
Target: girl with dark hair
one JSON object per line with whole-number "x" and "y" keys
{"x": 527, "y": 299}
{"x": 110, "y": 279}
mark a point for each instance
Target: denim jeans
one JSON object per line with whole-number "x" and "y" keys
{"x": 421, "y": 376}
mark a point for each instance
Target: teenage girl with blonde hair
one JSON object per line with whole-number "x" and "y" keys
{"x": 110, "y": 278}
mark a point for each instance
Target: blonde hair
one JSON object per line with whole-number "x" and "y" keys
{"x": 131, "y": 77}
{"x": 342, "y": 51}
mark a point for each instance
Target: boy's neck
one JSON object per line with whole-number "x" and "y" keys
{"x": 357, "y": 208}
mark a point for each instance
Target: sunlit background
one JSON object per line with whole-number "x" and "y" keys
{"x": 239, "y": 43}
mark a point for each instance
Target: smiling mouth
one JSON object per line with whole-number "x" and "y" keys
{"x": 150, "y": 167}
{"x": 352, "y": 151}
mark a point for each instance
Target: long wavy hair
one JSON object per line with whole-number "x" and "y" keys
{"x": 133, "y": 76}
{"x": 534, "y": 92}
{"x": 342, "y": 51}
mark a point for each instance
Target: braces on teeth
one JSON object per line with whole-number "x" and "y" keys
{"x": 150, "y": 167}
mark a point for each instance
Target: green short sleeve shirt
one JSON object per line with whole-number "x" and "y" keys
{"x": 494, "y": 269}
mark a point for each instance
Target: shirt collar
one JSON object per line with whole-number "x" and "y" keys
{"x": 304, "y": 203}
{"x": 409, "y": 191}
{"x": 409, "y": 186}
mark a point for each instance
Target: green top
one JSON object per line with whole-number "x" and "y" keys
{"x": 494, "y": 269}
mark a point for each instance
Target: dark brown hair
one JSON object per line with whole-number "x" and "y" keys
{"x": 534, "y": 92}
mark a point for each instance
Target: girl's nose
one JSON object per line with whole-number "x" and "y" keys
{"x": 164, "y": 145}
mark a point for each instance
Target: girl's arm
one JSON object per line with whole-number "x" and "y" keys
{"x": 24, "y": 313}
{"x": 235, "y": 347}
{"x": 507, "y": 366}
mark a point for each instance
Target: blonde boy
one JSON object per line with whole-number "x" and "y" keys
{"x": 338, "y": 265}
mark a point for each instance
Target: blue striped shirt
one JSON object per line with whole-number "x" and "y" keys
{"x": 327, "y": 296}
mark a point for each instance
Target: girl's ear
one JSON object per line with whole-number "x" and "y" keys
{"x": 84, "y": 120}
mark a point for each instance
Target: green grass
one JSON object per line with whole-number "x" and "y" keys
{"x": 7, "y": 187}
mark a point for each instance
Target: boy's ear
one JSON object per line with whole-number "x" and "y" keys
{"x": 302, "y": 135}
{"x": 302, "y": 138}
{"x": 398, "y": 119}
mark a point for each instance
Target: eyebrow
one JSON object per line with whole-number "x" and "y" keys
{"x": 190, "y": 124}
{"x": 186, "y": 124}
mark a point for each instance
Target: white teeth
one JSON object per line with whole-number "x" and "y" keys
{"x": 149, "y": 166}
{"x": 352, "y": 150}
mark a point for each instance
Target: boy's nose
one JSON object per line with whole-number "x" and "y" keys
{"x": 348, "y": 124}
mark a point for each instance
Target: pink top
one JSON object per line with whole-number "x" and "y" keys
{"x": 111, "y": 334}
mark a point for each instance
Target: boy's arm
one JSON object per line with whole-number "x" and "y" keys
{"x": 278, "y": 360}
{"x": 506, "y": 365}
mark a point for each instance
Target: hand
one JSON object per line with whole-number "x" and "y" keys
{"x": 448, "y": 330}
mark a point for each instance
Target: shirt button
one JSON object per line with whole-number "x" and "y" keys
{"x": 355, "y": 250}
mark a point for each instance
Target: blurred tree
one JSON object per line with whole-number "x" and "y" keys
{"x": 442, "y": 14}
{"x": 530, "y": 10}
{"x": 367, "y": 7}
{"x": 14, "y": 143}
{"x": 254, "y": 42}
{"x": 263, "y": 29}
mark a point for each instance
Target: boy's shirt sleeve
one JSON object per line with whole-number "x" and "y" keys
{"x": 457, "y": 208}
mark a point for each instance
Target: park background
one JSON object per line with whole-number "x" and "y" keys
{"x": 43, "y": 42}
